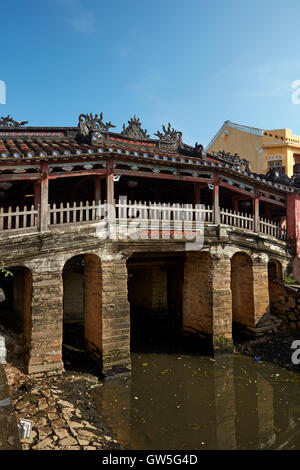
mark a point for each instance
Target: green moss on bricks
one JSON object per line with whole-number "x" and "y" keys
{"x": 222, "y": 345}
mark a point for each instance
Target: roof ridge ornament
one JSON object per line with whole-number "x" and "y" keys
{"x": 170, "y": 139}
{"x": 8, "y": 121}
{"x": 235, "y": 159}
{"x": 134, "y": 129}
{"x": 92, "y": 128}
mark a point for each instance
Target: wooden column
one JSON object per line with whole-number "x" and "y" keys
{"x": 293, "y": 218}
{"x": 37, "y": 194}
{"x": 216, "y": 203}
{"x": 110, "y": 182}
{"x": 197, "y": 193}
{"x": 44, "y": 210}
{"x": 235, "y": 204}
{"x": 97, "y": 188}
{"x": 256, "y": 213}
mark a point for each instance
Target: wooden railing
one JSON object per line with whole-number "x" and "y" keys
{"x": 237, "y": 219}
{"x": 16, "y": 219}
{"x": 270, "y": 228}
{"x": 77, "y": 212}
{"x": 123, "y": 210}
{"x": 163, "y": 211}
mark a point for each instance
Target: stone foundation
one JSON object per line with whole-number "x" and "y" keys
{"x": 116, "y": 315}
{"x": 285, "y": 305}
{"x": 47, "y": 314}
{"x": 209, "y": 303}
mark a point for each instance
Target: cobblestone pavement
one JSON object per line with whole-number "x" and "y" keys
{"x": 63, "y": 416}
{"x": 9, "y": 435}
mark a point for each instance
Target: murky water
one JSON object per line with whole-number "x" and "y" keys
{"x": 174, "y": 401}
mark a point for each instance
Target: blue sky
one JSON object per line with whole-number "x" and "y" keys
{"x": 194, "y": 63}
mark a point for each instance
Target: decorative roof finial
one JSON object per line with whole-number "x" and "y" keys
{"x": 92, "y": 127}
{"x": 134, "y": 129}
{"x": 8, "y": 121}
{"x": 170, "y": 139}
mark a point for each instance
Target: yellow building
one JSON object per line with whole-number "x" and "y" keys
{"x": 264, "y": 149}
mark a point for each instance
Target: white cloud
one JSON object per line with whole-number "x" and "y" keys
{"x": 270, "y": 80}
{"x": 81, "y": 18}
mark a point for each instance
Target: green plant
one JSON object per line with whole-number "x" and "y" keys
{"x": 290, "y": 280}
{"x": 4, "y": 270}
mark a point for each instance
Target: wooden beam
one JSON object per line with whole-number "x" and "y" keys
{"x": 68, "y": 174}
{"x": 162, "y": 176}
{"x": 237, "y": 190}
{"x": 20, "y": 177}
{"x": 272, "y": 201}
{"x": 97, "y": 188}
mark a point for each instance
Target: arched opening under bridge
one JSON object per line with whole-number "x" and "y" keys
{"x": 15, "y": 313}
{"x": 155, "y": 283}
{"x": 243, "y": 313}
{"x": 82, "y": 318}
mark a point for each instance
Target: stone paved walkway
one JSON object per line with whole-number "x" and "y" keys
{"x": 63, "y": 416}
{"x": 9, "y": 435}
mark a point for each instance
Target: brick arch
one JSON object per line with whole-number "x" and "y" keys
{"x": 275, "y": 269}
{"x": 15, "y": 311}
{"x": 242, "y": 282}
{"x": 82, "y": 299}
{"x": 64, "y": 258}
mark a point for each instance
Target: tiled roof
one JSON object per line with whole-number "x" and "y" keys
{"x": 42, "y": 148}
{"x": 66, "y": 144}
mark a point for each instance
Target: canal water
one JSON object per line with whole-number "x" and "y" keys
{"x": 184, "y": 401}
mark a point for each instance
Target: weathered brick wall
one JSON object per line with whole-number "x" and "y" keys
{"x": 242, "y": 289}
{"x": 93, "y": 305}
{"x": 197, "y": 290}
{"x": 207, "y": 298}
{"x": 285, "y": 303}
{"x": 222, "y": 304}
{"x": 115, "y": 314}
{"x": 47, "y": 315}
{"x": 260, "y": 287}
{"x": 27, "y": 318}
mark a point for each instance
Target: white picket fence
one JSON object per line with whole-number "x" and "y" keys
{"x": 123, "y": 210}
{"x": 16, "y": 219}
{"x": 236, "y": 219}
{"x": 163, "y": 211}
{"x": 270, "y": 228}
{"x": 73, "y": 213}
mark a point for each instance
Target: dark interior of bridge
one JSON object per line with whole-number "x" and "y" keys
{"x": 75, "y": 354}
{"x": 155, "y": 285}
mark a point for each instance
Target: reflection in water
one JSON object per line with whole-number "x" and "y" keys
{"x": 193, "y": 402}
